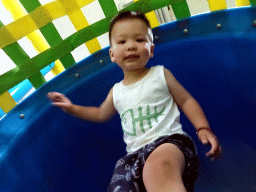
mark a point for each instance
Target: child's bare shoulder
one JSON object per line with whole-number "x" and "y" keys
{"x": 178, "y": 92}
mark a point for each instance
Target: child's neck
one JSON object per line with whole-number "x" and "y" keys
{"x": 131, "y": 77}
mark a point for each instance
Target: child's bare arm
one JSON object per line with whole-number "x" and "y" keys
{"x": 194, "y": 113}
{"x": 185, "y": 101}
{"x": 107, "y": 108}
{"x": 95, "y": 114}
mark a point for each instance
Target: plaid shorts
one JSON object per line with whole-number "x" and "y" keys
{"x": 127, "y": 176}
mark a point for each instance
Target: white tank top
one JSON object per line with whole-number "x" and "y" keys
{"x": 147, "y": 110}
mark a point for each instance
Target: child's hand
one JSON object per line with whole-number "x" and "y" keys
{"x": 60, "y": 100}
{"x": 207, "y": 137}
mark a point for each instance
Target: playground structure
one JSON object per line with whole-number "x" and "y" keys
{"x": 211, "y": 54}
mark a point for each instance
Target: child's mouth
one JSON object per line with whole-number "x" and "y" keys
{"x": 131, "y": 57}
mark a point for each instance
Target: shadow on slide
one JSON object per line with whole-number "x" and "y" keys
{"x": 49, "y": 150}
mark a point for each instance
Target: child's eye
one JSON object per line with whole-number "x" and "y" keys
{"x": 140, "y": 40}
{"x": 121, "y": 42}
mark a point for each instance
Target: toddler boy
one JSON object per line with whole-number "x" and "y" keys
{"x": 161, "y": 157}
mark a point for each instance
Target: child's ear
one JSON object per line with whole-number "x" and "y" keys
{"x": 111, "y": 54}
{"x": 152, "y": 48}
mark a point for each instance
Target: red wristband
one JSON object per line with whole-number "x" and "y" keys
{"x": 208, "y": 128}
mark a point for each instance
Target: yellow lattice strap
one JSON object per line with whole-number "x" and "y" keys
{"x": 151, "y": 17}
{"x": 51, "y": 35}
{"x": 23, "y": 26}
{"x": 217, "y": 4}
{"x": 240, "y": 3}
{"x": 42, "y": 16}
{"x": 7, "y": 102}
{"x": 37, "y": 80}
{"x": 79, "y": 21}
{"x": 58, "y": 68}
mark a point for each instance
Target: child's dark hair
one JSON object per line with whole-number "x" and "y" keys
{"x": 127, "y": 15}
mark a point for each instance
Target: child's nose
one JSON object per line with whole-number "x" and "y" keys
{"x": 131, "y": 46}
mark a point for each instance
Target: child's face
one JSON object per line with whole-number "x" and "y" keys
{"x": 131, "y": 46}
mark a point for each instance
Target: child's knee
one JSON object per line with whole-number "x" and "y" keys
{"x": 164, "y": 168}
{"x": 165, "y": 161}
{"x": 167, "y": 155}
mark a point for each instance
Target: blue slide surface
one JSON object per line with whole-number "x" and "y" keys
{"x": 49, "y": 150}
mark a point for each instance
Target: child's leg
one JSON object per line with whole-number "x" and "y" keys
{"x": 164, "y": 168}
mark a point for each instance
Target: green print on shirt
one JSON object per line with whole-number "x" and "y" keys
{"x": 141, "y": 118}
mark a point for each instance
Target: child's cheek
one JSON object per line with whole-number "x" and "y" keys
{"x": 147, "y": 45}
{"x": 114, "y": 47}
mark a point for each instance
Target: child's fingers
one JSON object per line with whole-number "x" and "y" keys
{"x": 57, "y": 104}
{"x": 204, "y": 139}
{"x": 66, "y": 107}
{"x": 60, "y": 105}
{"x": 50, "y": 95}
{"x": 53, "y": 96}
{"x": 215, "y": 149}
